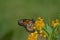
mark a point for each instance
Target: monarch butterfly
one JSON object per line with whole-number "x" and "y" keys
{"x": 27, "y": 24}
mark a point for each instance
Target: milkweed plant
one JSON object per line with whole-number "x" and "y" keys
{"x": 44, "y": 31}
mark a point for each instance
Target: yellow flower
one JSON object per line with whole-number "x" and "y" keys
{"x": 44, "y": 36}
{"x": 39, "y": 24}
{"x": 55, "y": 23}
{"x": 33, "y": 36}
{"x": 41, "y": 32}
{"x": 34, "y": 27}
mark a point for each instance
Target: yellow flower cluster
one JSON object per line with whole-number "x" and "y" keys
{"x": 55, "y": 23}
{"x": 39, "y": 24}
{"x": 33, "y": 36}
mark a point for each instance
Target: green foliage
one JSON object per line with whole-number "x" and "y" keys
{"x": 51, "y": 32}
{"x": 48, "y": 29}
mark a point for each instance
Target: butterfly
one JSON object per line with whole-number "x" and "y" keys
{"x": 27, "y": 24}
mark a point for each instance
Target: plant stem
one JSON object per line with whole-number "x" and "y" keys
{"x": 49, "y": 37}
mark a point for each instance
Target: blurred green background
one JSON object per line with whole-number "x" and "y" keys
{"x": 13, "y": 10}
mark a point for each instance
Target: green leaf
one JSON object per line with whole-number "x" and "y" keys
{"x": 58, "y": 36}
{"x": 48, "y": 29}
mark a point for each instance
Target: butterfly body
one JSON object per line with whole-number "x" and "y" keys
{"x": 27, "y": 24}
